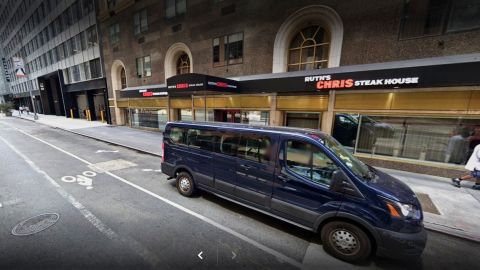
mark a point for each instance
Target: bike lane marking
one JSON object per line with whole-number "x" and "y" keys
{"x": 278, "y": 255}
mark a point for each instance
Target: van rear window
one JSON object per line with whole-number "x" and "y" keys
{"x": 177, "y": 135}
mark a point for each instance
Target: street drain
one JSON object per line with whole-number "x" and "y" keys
{"x": 35, "y": 224}
{"x": 427, "y": 204}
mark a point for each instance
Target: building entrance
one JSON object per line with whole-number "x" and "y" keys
{"x": 229, "y": 116}
{"x": 303, "y": 120}
{"x": 99, "y": 104}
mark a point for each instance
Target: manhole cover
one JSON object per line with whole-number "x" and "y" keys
{"x": 35, "y": 224}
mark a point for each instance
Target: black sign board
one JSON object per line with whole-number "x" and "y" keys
{"x": 445, "y": 75}
{"x": 459, "y": 74}
{"x": 5, "y": 68}
{"x": 411, "y": 77}
{"x": 192, "y": 82}
{"x": 145, "y": 92}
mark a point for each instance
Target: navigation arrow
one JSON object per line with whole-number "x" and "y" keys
{"x": 234, "y": 255}
{"x": 200, "y": 255}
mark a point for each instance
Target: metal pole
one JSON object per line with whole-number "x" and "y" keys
{"x": 35, "y": 116}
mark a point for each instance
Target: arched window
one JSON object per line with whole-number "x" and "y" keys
{"x": 309, "y": 49}
{"x": 123, "y": 78}
{"x": 183, "y": 64}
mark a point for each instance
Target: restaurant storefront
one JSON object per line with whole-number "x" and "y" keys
{"x": 418, "y": 118}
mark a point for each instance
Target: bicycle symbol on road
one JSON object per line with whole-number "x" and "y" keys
{"x": 83, "y": 179}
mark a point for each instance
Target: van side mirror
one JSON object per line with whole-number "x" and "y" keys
{"x": 341, "y": 184}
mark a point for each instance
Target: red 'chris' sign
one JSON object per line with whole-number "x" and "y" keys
{"x": 222, "y": 84}
{"x": 348, "y": 83}
{"x": 182, "y": 85}
{"x": 147, "y": 94}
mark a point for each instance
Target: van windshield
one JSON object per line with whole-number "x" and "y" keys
{"x": 358, "y": 168}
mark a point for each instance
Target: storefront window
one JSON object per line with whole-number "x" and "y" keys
{"x": 260, "y": 118}
{"x": 345, "y": 128}
{"x": 185, "y": 115}
{"x": 200, "y": 115}
{"x": 148, "y": 118}
{"x": 447, "y": 140}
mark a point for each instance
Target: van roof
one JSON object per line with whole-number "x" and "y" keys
{"x": 292, "y": 130}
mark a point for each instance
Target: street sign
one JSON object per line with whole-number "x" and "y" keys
{"x": 19, "y": 67}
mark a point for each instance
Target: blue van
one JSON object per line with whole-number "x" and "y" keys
{"x": 300, "y": 176}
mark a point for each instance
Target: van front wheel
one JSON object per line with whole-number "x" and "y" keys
{"x": 185, "y": 184}
{"x": 346, "y": 241}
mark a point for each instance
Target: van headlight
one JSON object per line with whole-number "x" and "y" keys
{"x": 402, "y": 210}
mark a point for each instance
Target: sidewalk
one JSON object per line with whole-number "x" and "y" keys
{"x": 145, "y": 141}
{"x": 447, "y": 209}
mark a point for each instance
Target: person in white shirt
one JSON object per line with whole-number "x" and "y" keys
{"x": 473, "y": 165}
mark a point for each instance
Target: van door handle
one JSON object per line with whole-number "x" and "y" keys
{"x": 290, "y": 188}
{"x": 246, "y": 167}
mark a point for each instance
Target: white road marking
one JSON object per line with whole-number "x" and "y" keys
{"x": 68, "y": 179}
{"x": 83, "y": 180}
{"x": 10, "y": 202}
{"x": 148, "y": 256}
{"x": 147, "y": 170}
{"x": 106, "y": 151}
{"x": 258, "y": 245}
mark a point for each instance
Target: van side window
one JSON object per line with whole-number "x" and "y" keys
{"x": 254, "y": 148}
{"x": 201, "y": 139}
{"x": 228, "y": 144}
{"x": 310, "y": 162}
{"x": 177, "y": 135}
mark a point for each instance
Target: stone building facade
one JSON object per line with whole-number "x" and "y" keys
{"x": 269, "y": 46}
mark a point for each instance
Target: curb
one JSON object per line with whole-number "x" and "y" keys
{"x": 429, "y": 227}
{"x": 433, "y": 228}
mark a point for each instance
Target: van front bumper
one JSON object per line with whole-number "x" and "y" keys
{"x": 401, "y": 245}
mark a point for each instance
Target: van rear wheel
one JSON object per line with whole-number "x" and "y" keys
{"x": 346, "y": 241}
{"x": 185, "y": 184}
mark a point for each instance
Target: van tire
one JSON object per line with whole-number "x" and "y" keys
{"x": 346, "y": 241}
{"x": 185, "y": 184}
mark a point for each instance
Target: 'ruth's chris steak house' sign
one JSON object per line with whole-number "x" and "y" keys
{"x": 325, "y": 82}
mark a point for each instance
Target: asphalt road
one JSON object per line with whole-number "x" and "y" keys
{"x": 129, "y": 216}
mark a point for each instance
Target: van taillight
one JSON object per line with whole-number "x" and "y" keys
{"x": 163, "y": 151}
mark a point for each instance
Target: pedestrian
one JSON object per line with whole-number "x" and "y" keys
{"x": 20, "y": 109}
{"x": 473, "y": 165}
{"x": 27, "y": 109}
{"x": 457, "y": 147}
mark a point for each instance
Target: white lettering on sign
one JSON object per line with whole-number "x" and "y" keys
{"x": 318, "y": 78}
